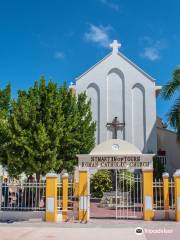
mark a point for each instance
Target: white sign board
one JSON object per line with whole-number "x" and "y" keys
{"x": 148, "y": 203}
{"x": 143, "y": 161}
{"x": 178, "y": 203}
{"x": 83, "y": 203}
{"x": 50, "y": 204}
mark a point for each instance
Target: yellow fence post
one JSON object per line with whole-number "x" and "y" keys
{"x": 177, "y": 194}
{"x": 76, "y": 192}
{"x": 166, "y": 195}
{"x": 65, "y": 197}
{"x": 51, "y": 198}
{"x": 83, "y": 195}
{"x": 148, "y": 194}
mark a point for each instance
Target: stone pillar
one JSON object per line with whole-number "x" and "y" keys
{"x": 177, "y": 194}
{"x": 166, "y": 195}
{"x": 148, "y": 194}
{"x": 65, "y": 197}
{"x": 51, "y": 198}
{"x": 83, "y": 195}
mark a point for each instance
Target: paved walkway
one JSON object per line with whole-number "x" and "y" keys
{"x": 95, "y": 229}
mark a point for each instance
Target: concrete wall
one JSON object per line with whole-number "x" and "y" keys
{"x": 166, "y": 140}
{"x": 21, "y": 215}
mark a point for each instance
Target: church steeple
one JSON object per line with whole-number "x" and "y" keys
{"x": 115, "y": 45}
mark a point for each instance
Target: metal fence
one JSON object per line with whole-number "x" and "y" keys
{"x": 27, "y": 196}
{"x": 163, "y": 160}
{"x": 158, "y": 194}
{"x": 129, "y": 196}
{"x": 171, "y": 195}
{"x": 59, "y": 196}
{"x": 70, "y": 196}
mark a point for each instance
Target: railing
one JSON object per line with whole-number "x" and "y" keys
{"x": 129, "y": 196}
{"x": 59, "y": 196}
{"x": 158, "y": 194}
{"x": 23, "y": 196}
{"x": 163, "y": 160}
{"x": 70, "y": 196}
{"x": 171, "y": 195}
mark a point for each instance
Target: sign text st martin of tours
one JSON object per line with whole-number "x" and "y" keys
{"x": 113, "y": 162}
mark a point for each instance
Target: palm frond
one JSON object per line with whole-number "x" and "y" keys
{"x": 174, "y": 117}
{"x": 172, "y": 86}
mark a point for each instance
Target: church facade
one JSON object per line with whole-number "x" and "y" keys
{"x": 120, "y": 90}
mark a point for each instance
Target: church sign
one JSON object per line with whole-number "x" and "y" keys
{"x": 143, "y": 161}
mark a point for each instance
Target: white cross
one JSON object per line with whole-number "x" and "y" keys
{"x": 115, "y": 45}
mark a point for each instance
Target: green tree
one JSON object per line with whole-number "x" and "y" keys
{"x": 35, "y": 130}
{"x": 46, "y": 128}
{"x": 69, "y": 145}
{"x": 101, "y": 182}
{"x": 79, "y": 129}
{"x": 168, "y": 91}
{"x": 158, "y": 168}
{"x": 86, "y": 127}
{"x": 5, "y": 99}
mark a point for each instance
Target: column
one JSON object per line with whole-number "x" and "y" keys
{"x": 51, "y": 198}
{"x": 166, "y": 195}
{"x": 65, "y": 197}
{"x": 148, "y": 194}
{"x": 177, "y": 194}
{"x": 76, "y": 192}
{"x": 83, "y": 195}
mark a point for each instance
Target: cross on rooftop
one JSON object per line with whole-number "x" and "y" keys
{"x": 115, "y": 46}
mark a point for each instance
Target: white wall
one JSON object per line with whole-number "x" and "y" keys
{"x": 167, "y": 141}
{"x": 116, "y": 69}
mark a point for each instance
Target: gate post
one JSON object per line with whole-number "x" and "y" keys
{"x": 76, "y": 192}
{"x": 148, "y": 194}
{"x": 51, "y": 198}
{"x": 177, "y": 194}
{"x": 166, "y": 195}
{"x": 65, "y": 196}
{"x": 83, "y": 195}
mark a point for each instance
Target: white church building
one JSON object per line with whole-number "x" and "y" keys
{"x": 123, "y": 101}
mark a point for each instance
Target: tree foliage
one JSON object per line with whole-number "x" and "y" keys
{"x": 101, "y": 182}
{"x": 5, "y": 98}
{"x": 168, "y": 91}
{"x": 46, "y": 129}
{"x": 79, "y": 129}
{"x": 158, "y": 168}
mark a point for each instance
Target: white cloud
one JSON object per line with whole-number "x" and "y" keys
{"x": 110, "y": 4}
{"x": 59, "y": 55}
{"x": 99, "y": 35}
{"x": 151, "y": 53}
{"x": 152, "y": 50}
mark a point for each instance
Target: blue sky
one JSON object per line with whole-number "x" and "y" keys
{"x": 61, "y": 39}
